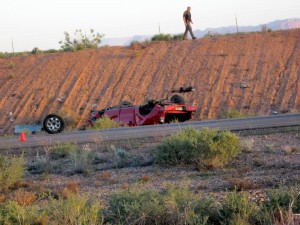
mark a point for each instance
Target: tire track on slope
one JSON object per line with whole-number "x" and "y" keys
{"x": 94, "y": 83}
{"x": 120, "y": 85}
{"x": 137, "y": 73}
{"x": 105, "y": 78}
{"x": 26, "y": 89}
{"x": 12, "y": 85}
{"x": 74, "y": 86}
{"x": 149, "y": 80}
{"x": 106, "y": 92}
{"x": 200, "y": 81}
{"x": 284, "y": 78}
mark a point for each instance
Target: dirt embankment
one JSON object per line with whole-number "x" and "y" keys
{"x": 254, "y": 73}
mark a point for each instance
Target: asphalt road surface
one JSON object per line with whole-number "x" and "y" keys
{"x": 251, "y": 123}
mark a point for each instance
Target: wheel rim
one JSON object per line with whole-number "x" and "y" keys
{"x": 53, "y": 124}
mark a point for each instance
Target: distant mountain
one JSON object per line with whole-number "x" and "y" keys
{"x": 286, "y": 24}
{"x": 275, "y": 25}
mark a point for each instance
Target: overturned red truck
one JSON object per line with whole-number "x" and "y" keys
{"x": 149, "y": 113}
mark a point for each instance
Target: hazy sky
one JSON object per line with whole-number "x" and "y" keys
{"x": 41, "y": 23}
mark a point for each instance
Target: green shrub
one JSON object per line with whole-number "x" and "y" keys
{"x": 82, "y": 41}
{"x": 205, "y": 148}
{"x": 105, "y": 123}
{"x": 177, "y": 37}
{"x": 75, "y": 210}
{"x": 11, "y": 171}
{"x": 161, "y": 37}
{"x": 63, "y": 150}
{"x": 81, "y": 161}
{"x": 231, "y": 113}
{"x": 283, "y": 198}
{"x": 12, "y": 213}
{"x": 238, "y": 207}
{"x": 49, "y": 51}
{"x": 176, "y": 206}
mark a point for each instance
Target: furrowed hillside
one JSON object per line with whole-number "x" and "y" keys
{"x": 251, "y": 73}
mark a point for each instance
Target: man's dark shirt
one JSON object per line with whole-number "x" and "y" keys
{"x": 187, "y": 15}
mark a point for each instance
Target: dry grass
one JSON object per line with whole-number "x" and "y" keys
{"x": 23, "y": 197}
{"x": 145, "y": 178}
{"x": 240, "y": 184}
{"x": 125, "y": 186}
{"x": 288, "y": 149}
{"x": 2, "y": 198}
{"x": 74, "y": 187}
{"x": 69, "y": 190}
{"x": 106, "y": 175}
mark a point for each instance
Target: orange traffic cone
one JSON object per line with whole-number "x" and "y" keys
{"x": 22, "y": 136}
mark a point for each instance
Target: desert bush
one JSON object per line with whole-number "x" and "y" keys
{"x": 231, "y": 113}
{"x": 80, "y": 162}
{"x": 177, "y": 37}
{"x": 105, "y": 123}
{"x": 240, "y": 184}
{"x": 11, "y": 76}
{"x": 11, "y": 171}
{"x": 82, "y": 41}
{"x": 36, "y": 51}
{"x": 205, "y": 148}
{"x": 78, "y": 209}
{"x": 136, "y": 53}
{"x": 247, "y": 145}
{"x": 288, "y": 149}
{"x": 161, "y": 37}
{"x": 71, "y": 118}
{"x": 11, "y": 65}
{"x": 135, "y": 45}
{"x": 176, "y": 206}
{"x": 49, "y": 51}
{"x": 12, "y": 213}
{"x": 237, "y": 206}
{"x": 63, "y": 150}
{"x": 23, "y": 197}
{"x": 40, "y": 165}
{"x": 283, "y": 198}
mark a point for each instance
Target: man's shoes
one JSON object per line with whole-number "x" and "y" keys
{"x": 194, "y": 38}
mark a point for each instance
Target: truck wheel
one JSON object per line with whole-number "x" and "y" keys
{"x": 177, "y": 99}
{"x": 53, "y": 124}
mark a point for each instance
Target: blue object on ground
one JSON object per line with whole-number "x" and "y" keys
{"x": 28, "y": 128}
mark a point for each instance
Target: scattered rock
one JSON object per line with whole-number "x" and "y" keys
{"x": 243, "y": 85}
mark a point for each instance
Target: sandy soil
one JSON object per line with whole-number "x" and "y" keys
{"x": 267, "y": 63}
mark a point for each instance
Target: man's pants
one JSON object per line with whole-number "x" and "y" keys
{"x": 188, "y": 28}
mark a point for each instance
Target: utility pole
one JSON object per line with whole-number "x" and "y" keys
{"x": 158, "y": 28}
{"x": 236, "y": 23}
{"x": 12, "y": 45}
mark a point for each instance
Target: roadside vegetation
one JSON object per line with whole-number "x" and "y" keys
{"x": 232, "y": 113}
{"x": 205, "y": 149}
{"x": 81, "y": 41}
{"x": 167, "y": 37}
{"x": 27, "y": 204}
{"x": 206, "y": 154}
{"x": 105, "y": 123}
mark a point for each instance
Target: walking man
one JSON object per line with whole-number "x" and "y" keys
{"x": 187, "y": 19}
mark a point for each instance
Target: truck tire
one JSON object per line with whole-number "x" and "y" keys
{"x": 178, "y": 99}
{"x": 53, "y": 124}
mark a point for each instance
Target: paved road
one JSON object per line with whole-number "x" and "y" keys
{"x": 287, "y": 120}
